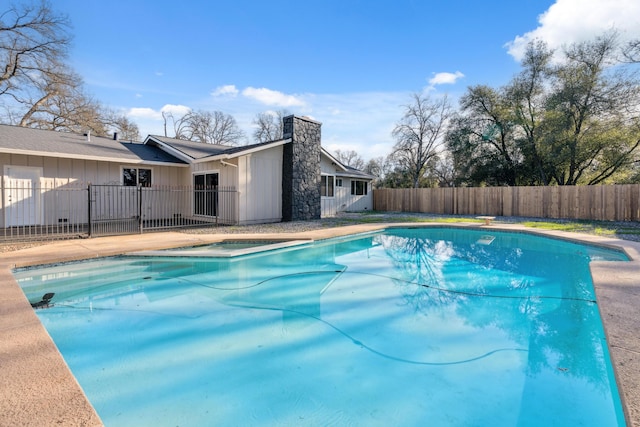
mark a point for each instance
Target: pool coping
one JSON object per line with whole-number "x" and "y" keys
{"x": 37, "y": 387}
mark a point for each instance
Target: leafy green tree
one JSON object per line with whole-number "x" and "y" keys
{"x": 592, "y": 134}
{"x": 526, "y": 96}
{"x": 573, "y": 121}
{"x": 481, "y": 139}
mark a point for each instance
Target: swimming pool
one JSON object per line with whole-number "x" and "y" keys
{"x": 406, "y": 327}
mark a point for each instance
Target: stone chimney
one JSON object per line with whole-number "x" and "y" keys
{"x": 301, "y": 169}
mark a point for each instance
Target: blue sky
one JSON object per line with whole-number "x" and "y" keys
{"x": 350, "y": 64}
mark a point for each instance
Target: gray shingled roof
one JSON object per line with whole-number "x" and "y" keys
{"x": 15, "y": 139}
{"x": 200, "y": 150}
{"x": 194, "y": 150}
{"x": 354, "y": 173}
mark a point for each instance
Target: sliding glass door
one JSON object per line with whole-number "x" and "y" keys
{"x": 205, "y": 187}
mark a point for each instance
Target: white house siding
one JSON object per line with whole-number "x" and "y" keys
{"x": 62, "y": 171}
{"x": 70, "y": 177}
{"x": 327, "y": 167}
{"x": 342, "y": 199}
{"x": 260, "y": 186}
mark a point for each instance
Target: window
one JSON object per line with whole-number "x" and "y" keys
{"x": 359, "y": 188}
{"x": 327, "y": 186}
{"x": 338, "y": 182}
{"x": 205, "y": 187}
{"x": 135, "y": 176}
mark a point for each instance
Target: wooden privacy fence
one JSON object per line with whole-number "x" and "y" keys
{"x": 590, "y": 202}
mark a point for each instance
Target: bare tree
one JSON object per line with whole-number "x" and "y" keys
{"x": 33, "y": 42}
{"x": 37, "y": 88}
{"x": 631, "y": 51}
{"x": 350, "y": 158}
{"x": 166, "y": 116}
{"x": 269, "y": 125}
{"x": 209, "y": 127}
{"x": 376, "y": 167}
{"x": 125, "y": 128}
{"x": 444, "y": 171}
{"x": 56, "y": 98}
{"x": 419, "y": 134}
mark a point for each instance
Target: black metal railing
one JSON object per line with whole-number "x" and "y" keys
{"x": 50, "y": 211}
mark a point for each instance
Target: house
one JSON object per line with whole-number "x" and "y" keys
{"x": 46, "y": 176}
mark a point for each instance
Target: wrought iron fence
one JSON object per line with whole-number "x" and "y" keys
{"x": 61, "y": 211}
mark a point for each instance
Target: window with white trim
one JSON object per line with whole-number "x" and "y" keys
{"x": 359, "y": 188}
{"x": 326, "y": 187}
{"x": 338, "y": 182}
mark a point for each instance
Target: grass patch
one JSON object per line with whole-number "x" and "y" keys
{"x": 598, "y": 228}
{"x": 558, "y": 226}
{"x": 630, "y": 231}
{"x": 375, "y": 218}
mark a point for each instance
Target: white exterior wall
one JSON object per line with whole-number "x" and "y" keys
{"x": 60, "y": 171}
{"x": 260, "y": 186}
{"x": 342, "y": 199}
{"x": 73, "y": 175}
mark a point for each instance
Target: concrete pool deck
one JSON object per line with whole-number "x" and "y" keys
{"x": 38, "y": 389}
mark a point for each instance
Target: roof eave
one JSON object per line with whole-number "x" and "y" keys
{"x": 335, "y": 161}
{"x": 168, "y": 148}
{"x": 353, "y": 175}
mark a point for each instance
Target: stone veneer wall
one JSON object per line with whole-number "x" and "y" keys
{"x": 301, "y": 169}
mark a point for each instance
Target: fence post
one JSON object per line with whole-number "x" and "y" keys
{"x": 140, "y": 208}
{"x": 89, "y": 209}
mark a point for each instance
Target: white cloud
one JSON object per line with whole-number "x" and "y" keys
{"x": 351, "y": 121}
{"x": 569, "y": 21}
{"x": 226, "y": 90}
{"x": 445, "y": 78}
{"x": 151, "y": 114}
{"x": 272, "y": 97}
{"x": 176, "y": 110}
{"x": 151, "y": 122}
{"x": 144, "y": 113}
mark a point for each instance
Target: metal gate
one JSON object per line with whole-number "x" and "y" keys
{"x": 120, "y": 209}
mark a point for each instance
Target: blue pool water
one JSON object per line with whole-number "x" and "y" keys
{"x": 425, "y": 326}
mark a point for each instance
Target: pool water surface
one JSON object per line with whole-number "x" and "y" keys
{"x": 424, "y": 326}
